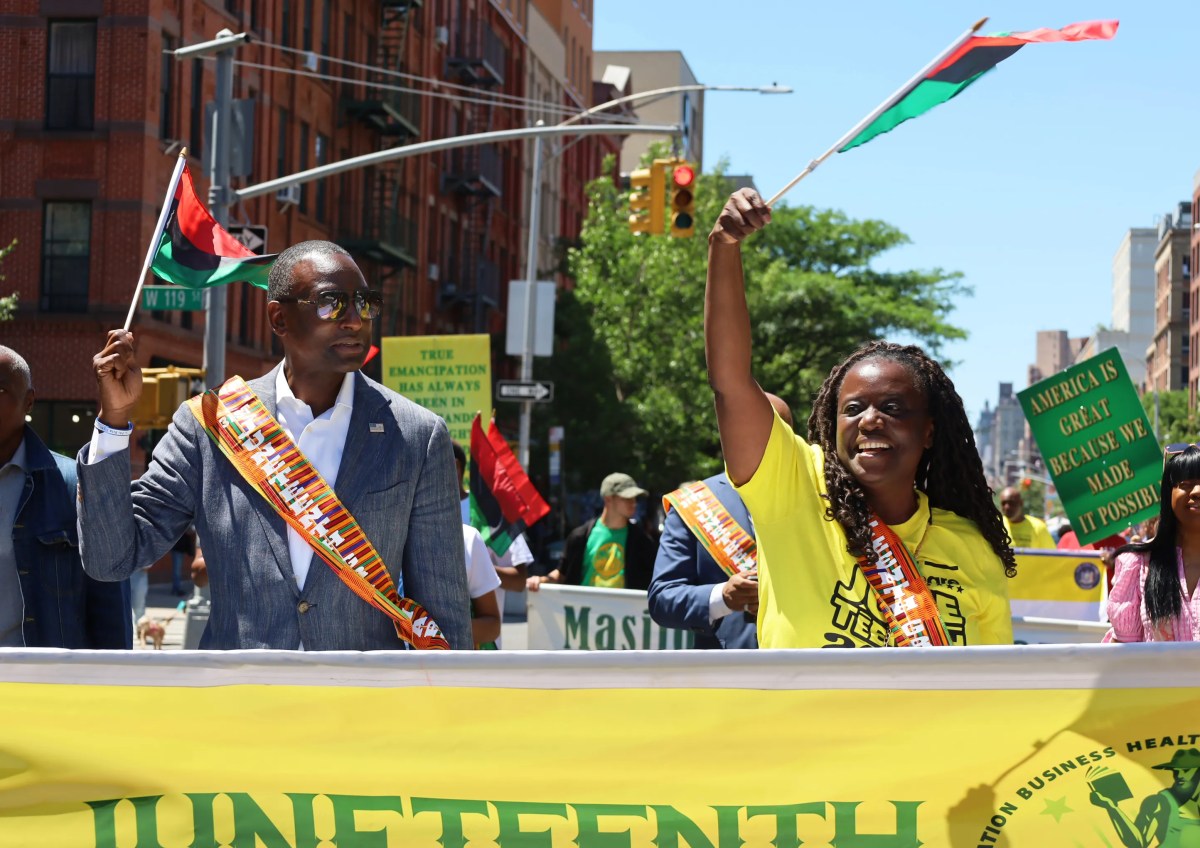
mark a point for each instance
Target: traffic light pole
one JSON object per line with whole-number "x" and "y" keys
{"x": 535, "y": 225}
{"x": 216, "y": 296}
{"x": 219, "y": 195}
{"x": 219, "y": 200}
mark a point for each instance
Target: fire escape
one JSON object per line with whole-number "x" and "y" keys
{"x": 475, "y": 176}
{"x": 385, "y": 235}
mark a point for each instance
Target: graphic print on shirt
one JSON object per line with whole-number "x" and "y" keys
{"x": 856, "y": 618}
{"x": 858, "y": 622}
{"x": 608, "y": 565}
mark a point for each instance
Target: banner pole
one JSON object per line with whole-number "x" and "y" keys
{"x": 879, "y": 110}
{"x": 158, "y": 231}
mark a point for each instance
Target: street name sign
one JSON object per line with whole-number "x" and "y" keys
{"x": 161, "y": 298}
{"x": 538, "y": 391}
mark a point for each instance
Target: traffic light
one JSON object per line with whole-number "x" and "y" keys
{"x": 1026, "y": 483}
{"x": 682, "y": 199}
{"x": 647, "y": 200}
{"x": 163, "y": 390}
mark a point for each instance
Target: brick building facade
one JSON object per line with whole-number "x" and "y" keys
{"x": 93, "y": 115}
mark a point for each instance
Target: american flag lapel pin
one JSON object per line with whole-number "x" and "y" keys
{"x": 376, "y": 428}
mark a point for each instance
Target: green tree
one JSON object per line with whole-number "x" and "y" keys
{"x": 8, "y": 305}
{"x": 631, "y": 386}
{"x": 1176, "y": 422}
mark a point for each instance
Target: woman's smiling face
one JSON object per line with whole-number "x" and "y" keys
{"x": 883, "y": 426}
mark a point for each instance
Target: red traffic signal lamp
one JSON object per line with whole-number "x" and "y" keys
{"x": 647, "y": 200}
{"x": 682, "y": 188}
{"x": 1026, "y": 483}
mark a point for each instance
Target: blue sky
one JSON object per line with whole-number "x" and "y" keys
{"x": 1026, "y": 183}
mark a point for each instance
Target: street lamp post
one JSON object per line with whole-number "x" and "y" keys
{"x": 535, "y": 206}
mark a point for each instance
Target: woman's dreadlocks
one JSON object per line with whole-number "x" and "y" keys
{"x": 950, "y": 473}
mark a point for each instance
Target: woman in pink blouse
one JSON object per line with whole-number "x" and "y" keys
{"x": 1153, "y": 597}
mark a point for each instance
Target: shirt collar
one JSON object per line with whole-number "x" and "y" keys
{"x": 18, "y": 458}
{"x": 283, "y": 392}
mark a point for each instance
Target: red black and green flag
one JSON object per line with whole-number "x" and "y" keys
{"x": 970, "y": 61}
{"x": 199, "y": 253}
{"x": 503, "y": 500}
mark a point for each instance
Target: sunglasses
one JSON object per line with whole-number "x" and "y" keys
{"x": 331, "y": 305}
{"x": 1178, "y": 448}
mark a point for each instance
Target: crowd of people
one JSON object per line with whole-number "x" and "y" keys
{"x": 329, "y": 508}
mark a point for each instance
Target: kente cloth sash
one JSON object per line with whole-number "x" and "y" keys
{"x": 908, "y": 607}
{"x": 265, "y": 455}
{"x": 726, "y": 542}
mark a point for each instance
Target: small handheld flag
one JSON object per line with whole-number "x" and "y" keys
{"x": 503, "y": 499}
{"x": 955, "y": 68}
{"x": 189, "y": 248}
{"x": 197, "y": 252}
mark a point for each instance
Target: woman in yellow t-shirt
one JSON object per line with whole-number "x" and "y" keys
{"x": 888, "y": 439}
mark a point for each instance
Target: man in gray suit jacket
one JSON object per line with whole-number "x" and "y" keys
{"x": 388, "y": 460}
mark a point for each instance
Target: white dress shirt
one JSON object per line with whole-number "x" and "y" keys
{"x": 322, "y": 440}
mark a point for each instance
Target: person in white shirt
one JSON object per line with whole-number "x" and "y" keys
{"x": 482, "y": 583}
{"x": 512, "y": 566}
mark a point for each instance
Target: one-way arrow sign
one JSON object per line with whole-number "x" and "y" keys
{"x": 538, "y": 391}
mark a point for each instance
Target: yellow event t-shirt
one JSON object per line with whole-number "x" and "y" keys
{"x": 812, "y": 592}
{"x": 1029, "y": 533}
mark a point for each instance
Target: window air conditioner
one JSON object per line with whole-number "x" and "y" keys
{"x": 289, "y": 196}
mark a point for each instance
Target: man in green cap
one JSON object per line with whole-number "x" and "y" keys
{"x": 613, "y": 551}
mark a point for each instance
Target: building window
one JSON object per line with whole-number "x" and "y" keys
{"x": 66, "y": 255}
{"x": 322, "y": 159}
{"x": 281, "y": 152}
{"x": 326, "y": 34}
{"x": 285, "y": 23}
{"x": 71, "y": 76}
{"x": 303, "y": 165}
{"x": 307, "y": 42}
{"x": 166, "y": 86}
{"x": 196, "y": 133}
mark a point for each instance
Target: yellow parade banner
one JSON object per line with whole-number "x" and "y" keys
{"x": 1029, "y": 746}
{"x": 449, "y": 375}
{"x": 1064, "y": 584}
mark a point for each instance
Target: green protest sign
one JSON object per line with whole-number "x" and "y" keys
{"x": 1097, "y": 444}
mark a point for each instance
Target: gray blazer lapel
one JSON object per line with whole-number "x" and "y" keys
{"x": 373, "y": 442}
{"x": 275, "y": 529}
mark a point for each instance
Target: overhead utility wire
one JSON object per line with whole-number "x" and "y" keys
{"x": 431, "y": 81}
{"x": 528, "y": 106}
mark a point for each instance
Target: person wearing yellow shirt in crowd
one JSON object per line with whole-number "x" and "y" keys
{"x": 613, "y": 551}
{"x": 877, "y": 530}
{"x": 1024, "y": 530}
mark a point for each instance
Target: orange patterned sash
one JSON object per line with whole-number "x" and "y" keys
{"x": 908, "y": 606}
{"x": 726, "y": 542}
{"x": 265, "y": 455}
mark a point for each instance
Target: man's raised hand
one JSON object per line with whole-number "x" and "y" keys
{"x": 118, "y": 378}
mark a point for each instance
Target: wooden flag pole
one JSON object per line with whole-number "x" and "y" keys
{"x": 158, "y": 231}
{"x": 879, "y": 110}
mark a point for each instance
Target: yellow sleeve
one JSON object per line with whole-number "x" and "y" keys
{"x": 788, "y": 476}
{"x": 996, "y": 628}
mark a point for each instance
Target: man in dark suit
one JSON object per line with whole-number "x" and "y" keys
{"x": 689, "y": 590}
{"x": 387, "y": 460}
